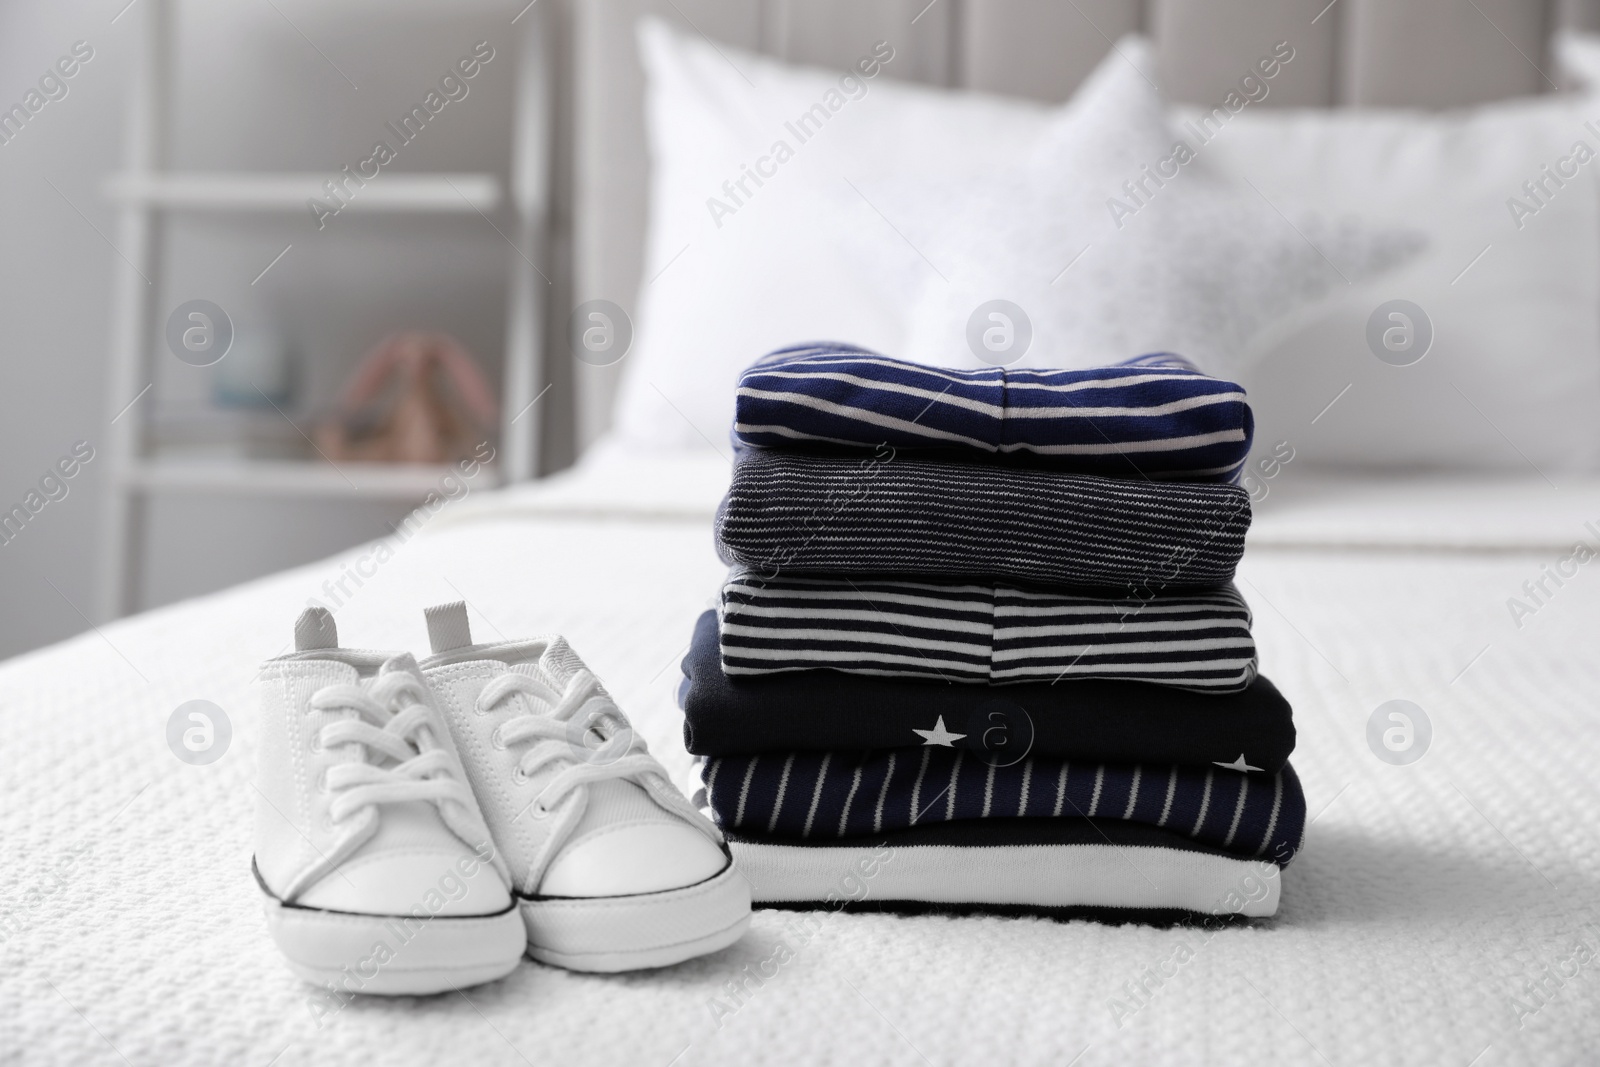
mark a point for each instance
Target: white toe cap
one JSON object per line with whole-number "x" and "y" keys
{"x": 633, "y": 858}
{"x": 395, "y": 883}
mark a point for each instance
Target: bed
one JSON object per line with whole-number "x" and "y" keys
{"x": 1442, "y": 912}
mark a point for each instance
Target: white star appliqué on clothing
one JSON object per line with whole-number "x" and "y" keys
{"x": 940, "y": 736}
{"x": 1237, "y": 765}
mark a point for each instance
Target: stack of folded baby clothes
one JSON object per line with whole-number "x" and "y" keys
{"x": 979, "y": 645}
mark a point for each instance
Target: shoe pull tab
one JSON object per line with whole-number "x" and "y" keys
{"x": 314, "y": 629}
{"x": 447, "y": 626}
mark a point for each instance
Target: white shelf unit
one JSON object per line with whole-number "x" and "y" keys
{"x": 145, "y": 191}
{"x": 278, "y": 477}
{"x": 445, "y": 193}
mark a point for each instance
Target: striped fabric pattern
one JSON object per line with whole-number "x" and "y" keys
{"x": 839, "y": 794}
{"x": 824, "y": 515}
{"x": 1155, "y": 416}
{"x": 983, "y": 633}
{"x": 1087, "y": 720}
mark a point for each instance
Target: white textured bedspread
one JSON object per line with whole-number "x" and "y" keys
{"x": 1446, "y": 912}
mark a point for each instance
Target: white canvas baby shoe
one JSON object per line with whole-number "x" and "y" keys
{"x": 379, "y": 872}
{"x": 613, "y": 868}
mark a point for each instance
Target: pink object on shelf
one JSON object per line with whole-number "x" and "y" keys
{"x": 416, "y": 398}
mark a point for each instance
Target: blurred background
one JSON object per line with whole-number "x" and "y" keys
{"x": 261, "y": 88}
{"x": 529, "y": 197}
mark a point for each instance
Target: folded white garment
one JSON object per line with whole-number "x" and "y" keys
{"x": 1010, "y": 873}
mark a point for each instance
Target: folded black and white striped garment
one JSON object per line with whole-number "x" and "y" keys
{"x": 983, "y": 633}
{"x": 833, "y": 795}
{"x": 1066, "y": 868}
{"x": 1085, "y": 719}
{"x": 889, "y": 515}
{"x": 1151, "y": 417}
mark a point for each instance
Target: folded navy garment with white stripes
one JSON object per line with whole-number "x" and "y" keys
{"x": 896, "y": 516}
{"x": 1065, "y": 868}
{"x": 983, "y": 633}
{"x": 1155, "y": 416}
{"x": 852, "y": 794}
{"x": 1086, "y": 719}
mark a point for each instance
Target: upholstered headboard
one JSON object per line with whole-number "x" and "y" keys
{"x": 1425, "y": 53}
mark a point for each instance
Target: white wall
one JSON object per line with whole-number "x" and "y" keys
{"x": 55, "y": 275}
{"x": 252, "y": 92}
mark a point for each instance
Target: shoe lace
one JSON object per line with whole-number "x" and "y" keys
{"x": 401, "y": 762}
{"x": 556, "y": 737}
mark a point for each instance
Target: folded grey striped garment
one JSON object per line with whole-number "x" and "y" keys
{"x": 797, "y": 514}
{"x": 1068, "y": 867}
{"x": 983, "y": 633}
{"x": 1155, "y": 416}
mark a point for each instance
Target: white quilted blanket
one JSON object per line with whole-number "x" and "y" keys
{"x": 1446, "y": 912}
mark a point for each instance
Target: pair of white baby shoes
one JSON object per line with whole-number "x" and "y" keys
{"x": 421, "y": 826}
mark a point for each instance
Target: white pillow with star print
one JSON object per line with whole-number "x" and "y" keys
{"x": 1509, "y": 282}
{"x": 1114, "y": 238}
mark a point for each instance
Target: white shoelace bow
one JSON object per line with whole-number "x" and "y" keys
{"x": 622, "y": 753}
{"x": 393, "y": 721}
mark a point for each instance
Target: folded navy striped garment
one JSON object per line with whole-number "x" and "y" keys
{"x": 1155, "y": 416}
{"x": 983, "y": 633}
{"x": 1087, "y": 719}
{"x": 854, "y": 794}
{"x": 889, "y": 515}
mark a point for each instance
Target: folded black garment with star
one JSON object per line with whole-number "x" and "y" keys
{"x": 794, "y": 513}
{"x": 1082, "y": 719}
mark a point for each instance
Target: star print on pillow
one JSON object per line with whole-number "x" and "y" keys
{"x": 1116, "y": 238}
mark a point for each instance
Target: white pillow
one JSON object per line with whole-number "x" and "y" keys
{"x": 805, "y": 255}
{"x": 1512, "y": 380}
{"x": 1105, "y": 269}
{"x": 1577, "y": 57}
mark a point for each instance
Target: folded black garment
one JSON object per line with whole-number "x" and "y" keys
{"x": 840, "y": 795}
{"x": 1155, "y": 416}
{"x": 1069, "y": 867}
{"x": 1098, "y": 721}
{"x": 972, "y": 632}
{"x": 789, "y": 512}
